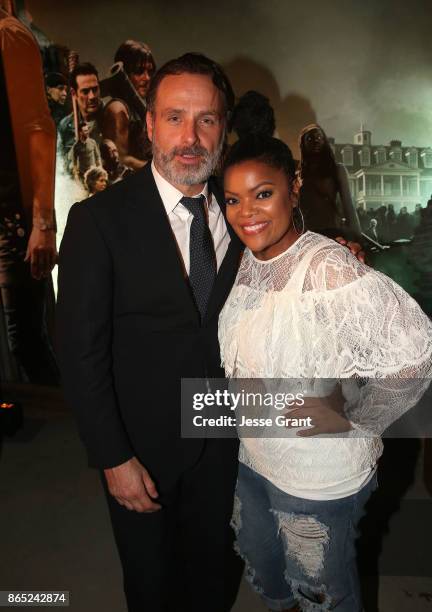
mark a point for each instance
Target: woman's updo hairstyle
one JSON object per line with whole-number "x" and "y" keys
{"x": 265, "y": 149}
{"x": 253, "y": 114}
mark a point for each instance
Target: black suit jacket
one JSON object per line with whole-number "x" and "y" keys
{"x": 128, "y": 328}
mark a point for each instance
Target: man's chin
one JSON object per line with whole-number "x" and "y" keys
{"x": 186, "y": 168}
{"x": 189, "y": 174}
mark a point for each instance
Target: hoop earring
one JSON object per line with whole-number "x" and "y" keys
{"x": 298, "y": 220}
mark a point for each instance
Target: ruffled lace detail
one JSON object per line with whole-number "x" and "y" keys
{"x": 316, "y": 312}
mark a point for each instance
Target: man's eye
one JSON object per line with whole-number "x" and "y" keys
{"x": 174, "y": 119}
{"x": 230, "y": 201}
{"x": 263, "y": 195}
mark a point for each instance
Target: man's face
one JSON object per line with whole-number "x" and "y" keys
{"x": 58, "y": 94}
{"x": 84, "y": 133}
{"x": 113, "y": 153}
{"x": 187, "y": 129}
{"x": 87, "y": 94}
{"x": 141, "y": 80}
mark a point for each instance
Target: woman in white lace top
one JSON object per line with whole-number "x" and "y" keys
{"x": 303, "y": 307}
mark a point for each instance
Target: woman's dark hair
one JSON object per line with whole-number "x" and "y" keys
{"x": 253, "y": 114}
{"x": 326, "y": 158}
{"x": 265, "y": 149}
{"x": 193, "y": 63}
{"x": 134, "y": 55}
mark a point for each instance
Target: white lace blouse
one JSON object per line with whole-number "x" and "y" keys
{"x": 316, "y": 312}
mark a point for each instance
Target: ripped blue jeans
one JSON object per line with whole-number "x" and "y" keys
{"x": 299, "y": 551}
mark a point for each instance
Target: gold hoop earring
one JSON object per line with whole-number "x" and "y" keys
{"x": 298, "y": 220}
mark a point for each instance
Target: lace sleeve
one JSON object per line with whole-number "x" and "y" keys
{"x": 332, "y": 267}
{"x": 382, "y": 337}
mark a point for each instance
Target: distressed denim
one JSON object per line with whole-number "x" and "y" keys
{"x": 299, "y": 551}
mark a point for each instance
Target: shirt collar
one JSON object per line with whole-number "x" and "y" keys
{"x": 171, "y": 196}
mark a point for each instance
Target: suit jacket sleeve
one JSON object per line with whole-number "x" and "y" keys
{"x": 84, "y": 335}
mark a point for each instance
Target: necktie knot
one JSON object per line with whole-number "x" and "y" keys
{"x": 194, "y": 205}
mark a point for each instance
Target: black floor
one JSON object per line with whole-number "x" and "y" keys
{"x": 55, "y": 532}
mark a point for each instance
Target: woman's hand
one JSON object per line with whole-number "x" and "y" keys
{"x": 326, "y": 414}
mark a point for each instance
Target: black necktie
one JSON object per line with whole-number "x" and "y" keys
{"x": 202, "y": 272}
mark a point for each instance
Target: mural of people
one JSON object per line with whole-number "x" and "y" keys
{"x": 404, "y": 224}
{"x": 372, "y": 230}
{"x": 57, "y": 92}
{"x": 85, "y": 152}
{"x": 420, "y": 254}
{"x": 85, "y": 89}
{"x": 95, "y": 180}
{"x": 111, "y": 162}
{"x": 124, "y": 114}
{"x": 325, "y": 197}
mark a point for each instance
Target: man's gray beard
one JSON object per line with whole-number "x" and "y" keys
{"x": 187, "y": 176}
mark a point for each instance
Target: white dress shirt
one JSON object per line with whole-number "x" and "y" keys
{"x": 180, "y": 219}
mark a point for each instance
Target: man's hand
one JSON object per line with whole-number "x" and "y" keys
{"x": 131, "y": 485}
{"x": 354, "y": 247}
{"x": 327, "y": 414}
{"x": 41, "y": 252}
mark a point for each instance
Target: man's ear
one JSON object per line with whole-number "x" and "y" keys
{"x": 149, "y": 123}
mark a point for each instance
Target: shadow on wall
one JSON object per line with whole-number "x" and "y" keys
{"x": 293, "y": 112}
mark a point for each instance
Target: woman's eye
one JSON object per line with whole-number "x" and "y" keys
{"x": 230, "y": 201}
{"x": 263, "y": 195}
{"x": 208, "y": 120}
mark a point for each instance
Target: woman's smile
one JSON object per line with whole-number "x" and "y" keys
{"x": 254, "y": 228}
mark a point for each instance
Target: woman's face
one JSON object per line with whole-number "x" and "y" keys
{"x": 314, "y": 141}
{"x": 100, "y": 184}
{"x": 259, "y": 207}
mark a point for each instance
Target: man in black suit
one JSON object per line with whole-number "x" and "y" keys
{"x": 145, "y": 268}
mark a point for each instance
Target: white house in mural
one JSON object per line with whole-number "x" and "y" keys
{"x": 386, "y": 174}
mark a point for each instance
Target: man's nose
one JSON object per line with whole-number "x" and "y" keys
{"x": 190, "y": 134}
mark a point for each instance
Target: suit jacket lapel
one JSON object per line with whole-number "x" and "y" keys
{"x": 150, "y": 215}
